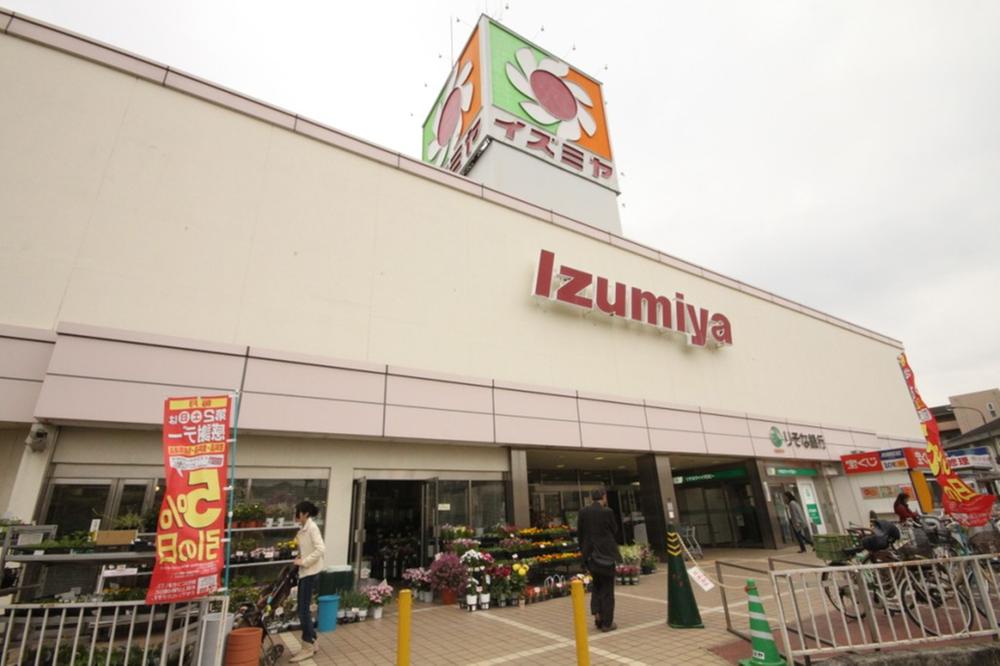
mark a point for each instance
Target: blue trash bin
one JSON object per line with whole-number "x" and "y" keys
{"x": 328, "y": 606}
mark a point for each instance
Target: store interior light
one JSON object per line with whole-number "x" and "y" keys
{"x": 560, "y": 466}
{"x": 598, "y": 457}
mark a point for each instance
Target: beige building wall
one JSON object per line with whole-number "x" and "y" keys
{"x": 139, "y": 454}
{"x": 130, "y": 205}
{"x": 11, "y": 447}
{"x": 973, "y": 410}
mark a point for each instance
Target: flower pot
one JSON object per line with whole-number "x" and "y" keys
{"x": 377, "y": 613}
{"x": 470, "y": 601}
{"x": 484, "y": 601}
{"x": 352, "y": 615}
{"x": 449, "y": 597}
{"x": 520, "y": 602}
{"x": 427, "y": 596}
{"x": 341, "y": 615}
{"x": 362, "y": 614}
{"x": 634, "y": 580}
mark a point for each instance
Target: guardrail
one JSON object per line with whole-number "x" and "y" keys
{"x": 843, "y": 608}
{"x": 121, "y": 633}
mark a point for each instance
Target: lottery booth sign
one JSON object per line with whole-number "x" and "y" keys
{"x": 192, "y": 519}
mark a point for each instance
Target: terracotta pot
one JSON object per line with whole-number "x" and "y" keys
{"x": 449, "y": 597}
{"x": 243, "y": 647}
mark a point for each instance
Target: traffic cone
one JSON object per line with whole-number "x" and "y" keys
{"x": 682, "y": 611}
{"x": 765, "y": 652}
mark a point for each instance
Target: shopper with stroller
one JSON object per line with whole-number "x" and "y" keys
{"x": 310, "y": 563}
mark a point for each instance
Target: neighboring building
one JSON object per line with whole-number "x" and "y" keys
{"x": 411, "y": 348}
{"x": 947, "y": 424}
{"x": 966, "y": 412}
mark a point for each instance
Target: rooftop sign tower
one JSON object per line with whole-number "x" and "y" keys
{"x": 522, "y": 121}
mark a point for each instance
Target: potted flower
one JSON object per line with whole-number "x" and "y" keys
{"x": 419, "y": 580}
{"x": 648, "y": 560}
{"x": 472, "y": 590}
{"x": 518, "y": 581}
{"x": 378, "y": 596}
{"x": 448, "y": 575}
{"x": 500, "y": 585}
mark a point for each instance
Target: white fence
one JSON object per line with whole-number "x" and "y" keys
{"x": 124, "y": 633}
{"x": 822, "y": 611}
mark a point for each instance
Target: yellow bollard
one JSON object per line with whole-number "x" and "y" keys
{"x": 580, "y": 623}
{"x": 403, "y": 638}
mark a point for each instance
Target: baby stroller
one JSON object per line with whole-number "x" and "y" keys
{"x": 262, "y": 612}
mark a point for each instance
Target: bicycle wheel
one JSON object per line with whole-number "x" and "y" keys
{"x": 933, "y": 603}
{"x": 841, "y": 588}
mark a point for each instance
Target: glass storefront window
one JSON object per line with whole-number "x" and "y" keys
{"x": 489, "y": 504}
{"x": 279, "y": 496}
{"x": 454, "y": 495}
{"x": 73, "y": 506}
{"x": 133, "y": 498}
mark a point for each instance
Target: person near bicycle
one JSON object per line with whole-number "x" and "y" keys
{"x": 902, "y": 509}
{"x": 885, "y": 534}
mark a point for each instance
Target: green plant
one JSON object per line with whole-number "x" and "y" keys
{"x": 128, "y": 521}
{"x": 123, "y": 594}
{"x": 256, "y": 512}
{"x": 279, "y": 510}
{"x": 630, "y": 554}
{"x": 246, "y": 544}
{"x": 239, "y": 513}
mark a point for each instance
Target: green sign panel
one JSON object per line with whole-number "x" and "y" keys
{"x": 721, "y": 475}
{"x": 813, "y": 512}
{"x": 794, "y": 471}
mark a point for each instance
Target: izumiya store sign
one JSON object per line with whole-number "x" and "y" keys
{"x": 505, "y": 88}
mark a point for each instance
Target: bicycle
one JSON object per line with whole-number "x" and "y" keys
{"x": 919, "y": 592}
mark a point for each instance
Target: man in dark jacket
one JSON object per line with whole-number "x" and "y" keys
{"x": 597, "y": 530}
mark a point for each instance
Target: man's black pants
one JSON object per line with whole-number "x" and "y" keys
{"x": 602, "y": 599}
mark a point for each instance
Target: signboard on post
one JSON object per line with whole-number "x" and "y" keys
{"x": 960, "y": 501}
{"x": 192, "y": 518}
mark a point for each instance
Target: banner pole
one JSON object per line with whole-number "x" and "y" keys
{"x": 232, "y": 490}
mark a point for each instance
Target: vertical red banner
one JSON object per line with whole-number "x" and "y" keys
{"x": 960, "y": 501}
{"x": 192, "y": 519}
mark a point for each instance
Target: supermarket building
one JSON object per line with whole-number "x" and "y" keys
{"x": 412, "y": 347}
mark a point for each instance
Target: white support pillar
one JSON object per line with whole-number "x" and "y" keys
{"x": 32, "y": 470}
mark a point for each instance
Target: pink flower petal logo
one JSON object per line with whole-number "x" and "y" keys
{"x": 552, "y": 97}
{"x": 447, "y": 125}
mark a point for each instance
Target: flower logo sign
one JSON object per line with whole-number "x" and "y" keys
{"x": 446, "y": 120}
{"x": 552, "y": 97}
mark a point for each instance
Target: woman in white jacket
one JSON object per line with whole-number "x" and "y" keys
{"x": 310, "y": 563}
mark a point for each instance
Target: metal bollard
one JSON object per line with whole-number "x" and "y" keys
{"x": 403, "y": 637}
{"x": 580, "y": 623}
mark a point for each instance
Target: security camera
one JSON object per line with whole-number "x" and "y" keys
{"x": 38, "y": 437}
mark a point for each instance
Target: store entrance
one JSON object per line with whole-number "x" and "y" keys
{"x": 395, "y": 524}
{"x": 721, "y": 507}
{"x": 392, "y": 528}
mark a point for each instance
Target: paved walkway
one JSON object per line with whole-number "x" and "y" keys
{"x": 542, "y": 633}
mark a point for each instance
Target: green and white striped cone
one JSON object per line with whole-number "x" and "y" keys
{"x": 765, "y": 652}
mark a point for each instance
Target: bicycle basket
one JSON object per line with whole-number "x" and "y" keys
{"x": 833, "y": 547}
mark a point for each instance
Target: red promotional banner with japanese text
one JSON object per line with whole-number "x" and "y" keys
{"x": 960, "y": 501}
{"x": 192, "y": 518}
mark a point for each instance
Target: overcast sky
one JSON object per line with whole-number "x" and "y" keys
{"x": 845, "y": 155}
